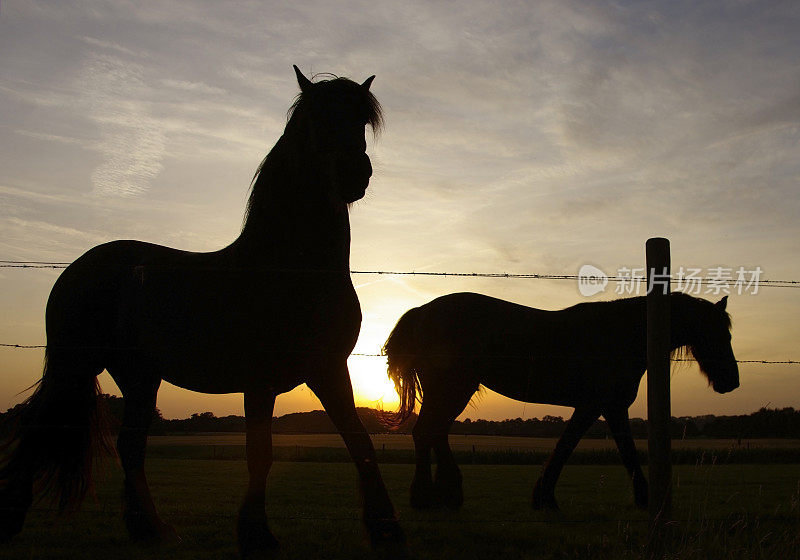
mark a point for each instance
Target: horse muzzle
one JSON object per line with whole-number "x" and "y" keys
{"x": 726, "y": 387}
{"x": 352, "y": 176}
{"x": 729, "y": 382}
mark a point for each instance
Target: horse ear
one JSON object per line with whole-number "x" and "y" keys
{"x": 723, "y": 303}
{"x": 368, "y": 82}
{"x": 302, "y": 81}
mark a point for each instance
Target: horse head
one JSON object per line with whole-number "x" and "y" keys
{"x": 706, "y": 337}
{"x": 335, "y": 113}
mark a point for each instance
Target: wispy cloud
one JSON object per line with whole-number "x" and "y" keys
{"x": 109, "y": 46}
{"x": 193, "y": 86}
{"x": 132, "y": 142}
{"x": 49, "y": 137}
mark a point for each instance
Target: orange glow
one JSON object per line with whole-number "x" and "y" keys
{"x": 371, "y": 386}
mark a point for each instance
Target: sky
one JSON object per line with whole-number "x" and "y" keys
{"x": 521, "y": 137}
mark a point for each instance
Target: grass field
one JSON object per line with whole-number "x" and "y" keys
{"x": 462, "y": 442}
{"x": 721, "y": 511}
{"x": 474, "y": 449}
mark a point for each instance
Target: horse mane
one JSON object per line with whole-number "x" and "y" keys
{"x": 686, "y": 351}
{"x": 334, "y": 86}
{"x": 679, "y": 302}
{"x": 373, "y": 111}
{"x": 686, "y": 299}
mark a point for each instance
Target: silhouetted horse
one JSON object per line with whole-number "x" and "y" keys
{"x": 590, "y": 356}
{"x": 274, "y": 309}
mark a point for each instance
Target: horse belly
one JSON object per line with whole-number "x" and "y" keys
{"x": 562, "y": 383}
{"x": 255, "y": 332}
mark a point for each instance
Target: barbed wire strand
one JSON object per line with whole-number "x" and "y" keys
{"x": 531, "y": 276}
{"x": 368, "y": 355}
{"x": 715, "y": 282}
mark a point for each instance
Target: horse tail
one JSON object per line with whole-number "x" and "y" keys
{"x": 53, "y": 438}
{"x": 403, "y": 358}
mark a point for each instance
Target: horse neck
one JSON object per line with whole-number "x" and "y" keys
{"x": 292, "y": 222}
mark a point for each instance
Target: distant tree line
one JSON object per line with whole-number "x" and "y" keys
{"x": 764, "y": 423}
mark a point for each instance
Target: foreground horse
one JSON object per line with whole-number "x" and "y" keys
{"x": 590, "y": 356}
{"x": 274, "y": 309}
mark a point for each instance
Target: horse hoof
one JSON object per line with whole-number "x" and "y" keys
{"x": 384, "y": 531}
{"x": 168, "y": 535}
{"x": 255, "y": 537}
{"x": 424, "y": 495}
{"x": 452, "y": 500}
{"x": 143, "y": 530}
{"x": 449, "y": 490}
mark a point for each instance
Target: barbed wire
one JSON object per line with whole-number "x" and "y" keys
{"x": 715, "y": 282}
{"x": 368, "y": 355}
{"x": 536, "y": 276}
{"x": 528, "y": 276}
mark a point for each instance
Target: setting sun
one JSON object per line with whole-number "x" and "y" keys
{"x": 371, "y": 386}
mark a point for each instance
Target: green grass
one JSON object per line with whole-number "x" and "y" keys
{"x": 722, "y": 511}
{"x": 488, "y": 456}
{"x": 463, "y": 442}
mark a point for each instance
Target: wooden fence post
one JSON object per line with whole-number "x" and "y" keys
{"x": 658, "y": 382}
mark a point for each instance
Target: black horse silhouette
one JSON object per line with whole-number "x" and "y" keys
{"x": 590, "y": 356}
{"x": 274, "y": 309}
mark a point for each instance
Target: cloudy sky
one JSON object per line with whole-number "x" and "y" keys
{"x": 522, "y": 137}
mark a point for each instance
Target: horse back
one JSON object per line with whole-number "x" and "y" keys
{"x": 567, "y": 357}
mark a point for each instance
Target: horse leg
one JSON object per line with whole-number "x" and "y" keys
{"x": 422, "y": 492}
{"x": 253, "y": 530}
{"x": 544, "y": 490}
{"x": 448, "y": 482}
{"x": 620, "y": 426}
{"x": 139, "y": 512}
{"x": 333, "y": 389}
